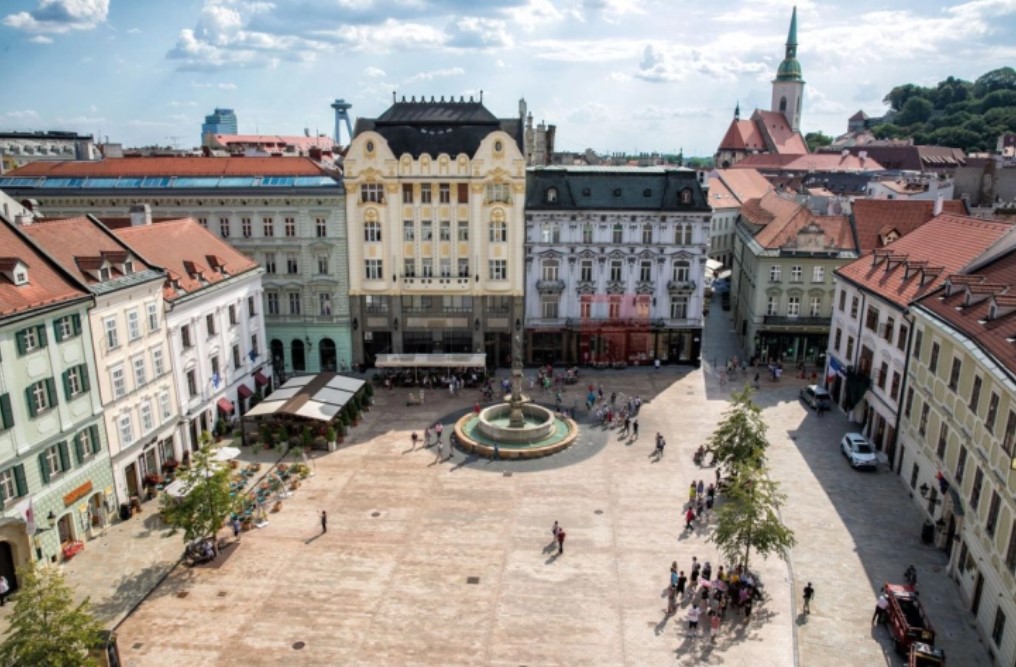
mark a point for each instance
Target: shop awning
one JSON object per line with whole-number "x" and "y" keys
{"x": 244, "y": 391}
{"x": 318, "y": 397}
{"x": 260, "y": 379}
{"x": 225, "y": 405}
{"x": 431, "y": 361}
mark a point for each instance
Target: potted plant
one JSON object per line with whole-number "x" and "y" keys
{"x": 368, "y": 395}
{"x": 284, "y": 435}
{"x": 169, "y": 467}
{"x": 308, "y": 438}
{"x": 343, "y": 426}
{"x": 330, "y": 437}
{"x": 205, "y": 439}
{"x": 266, "y": 436}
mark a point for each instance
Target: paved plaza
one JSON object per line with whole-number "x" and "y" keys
{"x": 450, "y": 562}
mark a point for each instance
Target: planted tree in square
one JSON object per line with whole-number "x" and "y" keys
{"x": 740, "y": 438}
{"x": 207, "y": 501}
{"x": 748, "y": 519}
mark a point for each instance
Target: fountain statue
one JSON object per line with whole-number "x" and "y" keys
{"x": 515, "y": 418}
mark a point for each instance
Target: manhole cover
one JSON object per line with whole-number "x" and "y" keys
{"x": 183, "y": 594}
{"x": 507, "y": 474}
{"x": 222, "y": 594}
{"x": 137, "y": 646}
{"x": 298, "y": 645}
{"x": 375, "y": 514}
{"x": 598, "y": 512}
{"x": 472, "y": 580}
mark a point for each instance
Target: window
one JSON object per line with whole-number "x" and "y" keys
{"x": 837, "y": 339}
{"x": 647, "y": 234}
{"x": 550, "y": 233}
{"x": 922, "y": 426}
{"x": 793, "y": 306}
{"x": 6, "y": 412}
{"x": 550, "y": 269}
{"x": 373, "y": 269}
{"x": 975, "y": 394}
{"x": 549, "y": 306}
{"x": 164, "y": 408}
{"x": 446, "y": 230}
{"x": 292, "y": 264}
{"x": 119, "y": 381}
{"x": 372, "y": 232}
{"x": 41, "y": 396}
{"x": 273, "y": 302}
{"x": 237, "y": 361}
{"x": 614, "y": 307}
{"x": 894, "y": 390}
{"x": 991, "y": 523}
{"x": 224, "y": 227}
{"x": 75, "y": 381}
{"x": 774, "y": 273}
{"x": 133, "y": 325}
{"x": 854, "y": 305}
{"x": 322, "y": 265}
{"x": 427, "y": 264}
{"x": 918, "y": 339}
{"x": 407, "y": 193}
{"x": 678, "y": 307}
{"x": 245, "y": 228}
{"x": 409, "y": 267}
{"x": 321, "y": 227}
{"x": 32, "y": 338}
{"x": 772, "y": 305}
{"x": 267, "y": 226}
{"x": 843, "y": 301}
{"x": 126, "y": 429}
{"x": 147, "y": 420}
{"x": 499, "y": 192}
{"x": 463, "y": 267}
{"x": 889, "y": 328}
{"x": 615, "y": 270}
{"x": 815, "y": 306}
{"x": 140, "y": 372}
{"x": 1010, "y": 433}
{"x": 289, "y": 224}
{"x": 463, "y": 196}
{"x": 499, "y": 269}
{"x": 425, "y": 193}
{"x": 989, "y": 419}
{"x": 408, "y": 230}
{"x": 818, "y": 275}
{"x": 86, "y": 443}
{"x": 961, "y": 463}
{"x": 646, "y": 270}
{"x": 617, "y": 233}
{"x": 426, "y": 230}
{"x": 683, "y": 234}
{"x": 943, "y": 440}
{"x": 998, "y": 627}
{"x": 294, "y": 303}
{"x": 376, "y": 304}
{"x": 586, "y": 270}
{"x": 498, "y": 231}
{"x": 158, "y": 362}
{"x": 1010, "y": 552}
{"x": 324, "y": 303}
{"x": 850, "y": 347}
{"x": 883, "y": 371}
{"x": 270, "y": 263}
{"x": 64, "y": 327}
{"x": 587, "y": 233}
{"x": 796, "y": 274}
{"x": 871, "y": 319}
{"x": 444, "y": 193}
{"x": 954, "y": 373}
{"x": 933, "y": 361}
{"x": 585, "y": 307}
{"x": 909, "y": 403}
{"x": 192, "y": 383}
{"x": 372, "y": 192}
{"x": 682, "y": 270}
{"x": 462, "y": 230}
{"x": 53, "y": 461}
{"x": 203, "y": 222}
{"x": 12, "y": 483}
{"x": 975, "y": 490}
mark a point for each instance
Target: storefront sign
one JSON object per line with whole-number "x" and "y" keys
{"x": 77, "y": 493}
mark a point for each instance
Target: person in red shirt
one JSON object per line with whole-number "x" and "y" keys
{"x": 689, "y": 516}
{"x": 560, "y": 540}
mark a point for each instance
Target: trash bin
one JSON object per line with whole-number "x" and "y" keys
{"x": 125, "y": 511}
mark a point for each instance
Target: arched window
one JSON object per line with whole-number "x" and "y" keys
{"x": 783, "y": 103}
{"x": 498, "y": 228}
{"x": 686, "y": 196}
{"x": 296, "y": 353}
{"x": 551, "y": 195}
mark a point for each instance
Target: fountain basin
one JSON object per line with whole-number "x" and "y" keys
{"x": 543, "y": 434}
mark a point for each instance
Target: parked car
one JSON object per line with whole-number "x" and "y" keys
{"x": 815, "y": 396}
{"x": 858, "y": 451}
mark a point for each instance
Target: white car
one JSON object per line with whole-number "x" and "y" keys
{"x": 858, "y": 451}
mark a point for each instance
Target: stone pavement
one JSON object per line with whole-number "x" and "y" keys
{"x": 450, "y": 563}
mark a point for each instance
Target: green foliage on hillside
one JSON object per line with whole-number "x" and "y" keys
{"x": 954, "y": 112}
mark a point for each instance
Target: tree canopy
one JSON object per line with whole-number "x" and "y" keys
{"x": 954, "y": 112}
{"x": 203, "y": 511}
{"x": 816, "y": 140}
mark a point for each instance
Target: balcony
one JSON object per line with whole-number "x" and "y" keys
{"x": 550, "y": 286}
{"x": 681, "y": 286}
{"x": 795, "y": 321}
{"x": 607, "y": 322}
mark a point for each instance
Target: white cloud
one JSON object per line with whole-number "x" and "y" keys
{"x": 23, "y": 114}
{"x": 581, "y": 51}
{"x": 589, "y": 112}
{"x": 652, "y": 112}
{"x": 41, "y": 39}
{"x": 60, "y": 16}
{"x": 134, "y": 31}
{"x": 220, "y": 86}
{"x": 478, "y": 33}
{"x": 658, "y": 67}
{"x": 148, "y": 123}
{"x": 177, "y": 103}
{"x": 374, "y": 73}
{"x": 436, "y": 74}
{"x": 93, "y": 109}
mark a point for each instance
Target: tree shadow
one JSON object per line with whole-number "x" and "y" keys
{"x": 132, "y": 589}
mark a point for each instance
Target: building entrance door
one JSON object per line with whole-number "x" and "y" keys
{"x": 7, "y": 566}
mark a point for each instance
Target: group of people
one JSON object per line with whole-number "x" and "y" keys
{"x": 432, "y": 435}
{"x": 700, "y": 502}
{"x": 709, "y": 597}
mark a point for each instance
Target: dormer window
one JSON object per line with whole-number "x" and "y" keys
{"x": 105, "y": 274}
{"x": 14, "y": 270}
{"x": 551, "y": 195}
{"x": 128, "y": 267}
{"x": 21, "y": 277}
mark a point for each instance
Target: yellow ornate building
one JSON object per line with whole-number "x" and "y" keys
{"x": 435, "y": 207}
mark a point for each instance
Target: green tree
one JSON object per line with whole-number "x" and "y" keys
{"x": 46, "y": 627}
{"x": 816, "y": 140}
{"x": 207, "y": 503}
{"x": 1003, "y": 78}
{"x": 739, "y": 440}
{"x": 748, "y": 519}
{"x": 898, "y": 96}
{"x": 916, "y": 110}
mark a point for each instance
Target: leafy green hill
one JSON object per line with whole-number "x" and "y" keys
{"x": 953, "y": 113}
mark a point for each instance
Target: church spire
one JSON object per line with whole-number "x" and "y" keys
{"x": 792, "y": 35}
{"x": 790, "y": 69}
{"x": 737, "y": 111}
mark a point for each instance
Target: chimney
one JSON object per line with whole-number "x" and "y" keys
{"x": 937, "y": 210}
{"x": 23, "y": 219}
{"x": 141, "y": 215}
{"x": 862, "y": 155}
{"x": 845, "y": 153}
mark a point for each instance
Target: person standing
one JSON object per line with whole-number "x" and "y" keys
{"x": 554, "y": 530}
{"x": 809, "y": 593}
{"x": 689, "y": 516}
{"x": 635, "y": 428}
{"x": 5, "y": 589}
{"x": 497, "y": 452}
{"x": 236, "y": 528}
{"x": 440, "y": 450}
{"x": 438, "y": 429}
{"x": 682, "y": 581}
{"x": 560, "y": 540}
{"x": 426, "y": 437}
{"x": 693, "y": 619}
{"x": 414, "y": 438}
{"x": 656, "y": 363}
{"x": 324, "y": 522}
{"x": 881, "y": 609}
{"x": 714, "y": 626}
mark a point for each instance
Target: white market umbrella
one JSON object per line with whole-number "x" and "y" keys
{"x": 226, "y": 453}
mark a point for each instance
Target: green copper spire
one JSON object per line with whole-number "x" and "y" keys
{"x": 790, "y": 69}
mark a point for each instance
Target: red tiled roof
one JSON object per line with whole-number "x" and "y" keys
{"x": 186, "y": 249}
{"x": 270, "y": 140}
{"x": 77, "y": 243}
{"x": 781, "y": 220}
{"x": 810, "y": 162}
{"x": 744, "y": 184}
{"x": 743, "y": 135}
{"x": 874, "y": 217}
{"x": 47, "y": 284}
{"x": 946, "y": 243}
{"x": 783, "y": 139}
{"x": 720, "y": 196}
{"x": 173, "y": 166}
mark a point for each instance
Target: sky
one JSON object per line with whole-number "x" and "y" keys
{"x": 612, "y": 75}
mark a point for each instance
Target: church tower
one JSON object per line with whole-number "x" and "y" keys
{"x": 788, "y": 86}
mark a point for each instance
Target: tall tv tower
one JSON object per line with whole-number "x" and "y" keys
{"x": 342, "y": 116}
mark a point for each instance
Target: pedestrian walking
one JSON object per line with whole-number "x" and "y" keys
{"x": 440, "y": 451}
{"x": 497, "y": 452}
{"x": 560, "y": 540}
{"x": 414, "y": 438}
{"x": 682, "y": 581}
{"x": 5, "y": 589}
{"x": 692, "y": 493}
{"x": 693, "y": 619}
{"x": 438, "y": 429}
{"x": 695, "y": 569}
{"x": 700, "y": 489}
{"x": 635, "y": 427}
{"x": 554, "y": 530}
{"x": 324, "y": 522}
{"x": 707, "y": 572}
{"x": 809, "y": 593}
{"x": 689, "y": 516}
{"x": 613, "y": 398}
{"x": 656, "y": 363}
{"x": 426, "y": 437}
{"x": 236, "y": 528}
{"x": 714, "y": 626}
